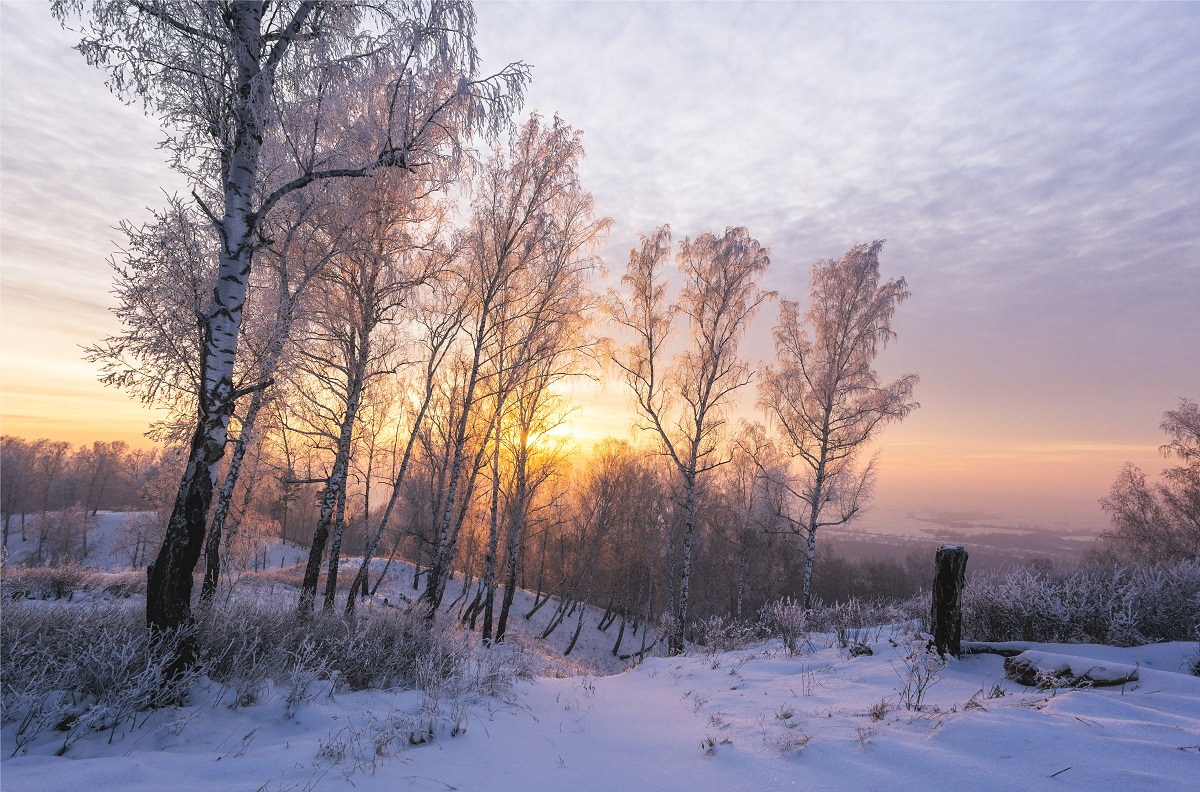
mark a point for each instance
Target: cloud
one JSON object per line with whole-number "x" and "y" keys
{"x": 1035, "y": 168}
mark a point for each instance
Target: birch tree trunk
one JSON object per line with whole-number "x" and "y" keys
{"x": 169, "y": 577}
{"x": 335, "y": 549}
{"x": 336, "y": 483}
{"x": 494, "y": 525}
{"x": 516, "y": 526}
{"x": 212, "y": 546}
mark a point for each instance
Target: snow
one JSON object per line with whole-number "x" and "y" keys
{"x": 103, "y": 552}
{"x": 753, "y": 719}
{"x": 747, "y": 720}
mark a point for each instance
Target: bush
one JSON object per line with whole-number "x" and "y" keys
{"x": 724, "y": 634}
{"x": 78, "y": 669}
{"x": 786, "y": 620}
{"x": 82, "y": 668}
{"x": 122, "y": 584}
{"x": 920, "y": 667}
{"x": 47, "y": 582}
{"x": 857, "y": 623}
{"x": 64, "y": 581}
{"x": 1093, "y": 604}
{"x": 250, "y": 641}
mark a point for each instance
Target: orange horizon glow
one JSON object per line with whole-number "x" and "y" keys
{"x": 916, "y": 469}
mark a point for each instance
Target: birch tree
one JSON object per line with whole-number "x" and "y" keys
{"x": 1161, "y": 520}
{"x": 521, "y": 199}
{"x": 363, "y": 288}
{"x": 684, "y": 404}
{"x": 535, "y": 459}
{"x": 295, "y": 257}
{"x": 438, "y": 316}
{"x": 241, "y": 84}
{"x": 544, "y": 338}
{"x": 824, "y": 395}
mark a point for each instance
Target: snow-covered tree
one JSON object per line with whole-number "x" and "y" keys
{"x": 1161, "y": 521}
{"x": 378, "y": 264}
{"x": 524, "y": 262}
{"x": 824, "y": 395}
{"x": 684, "y": 404}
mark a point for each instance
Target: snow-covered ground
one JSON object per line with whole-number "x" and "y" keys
{"x": 753, "y": 719}
{"x": 747, "y": 720}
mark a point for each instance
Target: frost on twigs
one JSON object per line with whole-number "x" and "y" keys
{"x": 785, "y": 619}
{"x": 77, "y": 670}
{"x": 71, "y": 670}
{"x": 724, "y": 634}
{"x": 1095, "y": 603}
{"x": 919, "y": 668}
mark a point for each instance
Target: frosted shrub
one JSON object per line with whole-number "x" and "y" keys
{"x": 250, "y": 641}
{"x": 65, "y": 580}
{"x": 852, "y": 614}
{"x": 122, "y": 584}
{"x": 784, "y": 619}
{"x": 856, "y": 622}
{"x": 1092, "y": 604}
{"x": 494, "y": 671}
{"x": 46, "y": 582}
{"x": 84, "y": 668}
{"x": 305, "y": 668}
{"x": 724, "y": 634}
{"x": 919, "y": 668}
{"x": 76, "y": 670}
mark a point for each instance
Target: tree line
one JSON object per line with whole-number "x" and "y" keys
{"x": 49, "y": 488}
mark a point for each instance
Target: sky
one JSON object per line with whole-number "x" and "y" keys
{"x": 1035, "y": 169}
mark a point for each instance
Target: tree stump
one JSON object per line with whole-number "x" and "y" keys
{"x": 946, "y": 613}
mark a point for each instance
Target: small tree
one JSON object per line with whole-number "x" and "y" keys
{"x": 16, "y": 480}
{"x": 824, "y": 395}
{"x": 524, "y": 263}
{"x": 684, "y": 404}
{"x": 1161, "y": 521}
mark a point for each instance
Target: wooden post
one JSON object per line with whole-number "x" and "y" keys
{"x": 948, "y": 584}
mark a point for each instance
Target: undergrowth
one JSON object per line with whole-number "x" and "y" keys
{"x": 66, "y": 580}
{"x": 81, "y": 668}
{"x": 1102, "y": 604}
